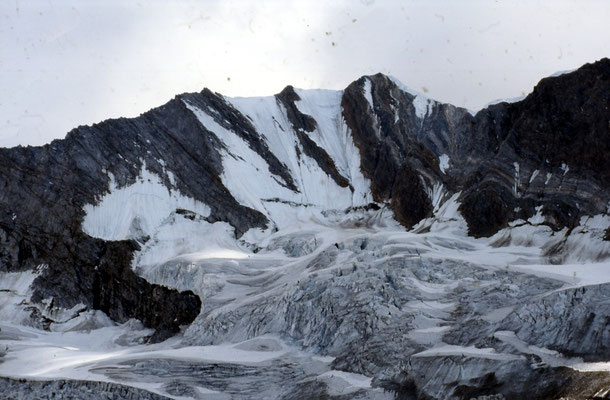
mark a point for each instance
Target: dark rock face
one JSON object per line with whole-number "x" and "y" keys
{"x": 487, "y": 209}
{"x": 549, "y": 150}
{"x": 409, "y": 201}
{"x": 565, "y": 120}
{"x": 560, "y": 129}
{"x": 390, "y": 157}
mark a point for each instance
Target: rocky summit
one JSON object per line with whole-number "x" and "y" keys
{"x": 369, "y": 243}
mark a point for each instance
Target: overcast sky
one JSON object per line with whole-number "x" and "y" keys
{"x": 67, "y": 63}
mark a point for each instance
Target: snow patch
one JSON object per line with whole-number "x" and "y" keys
{"x": 368, "y": 95}
{"x": 443, "y": 162}
{"x": 422, "y": 105}
{"x": 574, "y": 275}
{"x": 343, "y": 383}
{"x": 436, "y": 194}
{"x": 549, "y": 357}
{"x": 516, "y": 185}
{"x": 537, "y": 218}
{"x": 180, "y": 236}
{"x": 14, "y": 295}
{"x": 136, "y": 210}
{"x": 559, "y": 73}
{"x": 504, "y": 100}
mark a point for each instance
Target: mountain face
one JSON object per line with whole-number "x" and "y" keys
{"x": 391, "y": 236}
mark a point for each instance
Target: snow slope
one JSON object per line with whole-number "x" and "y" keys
{"x": 247, "y": 175}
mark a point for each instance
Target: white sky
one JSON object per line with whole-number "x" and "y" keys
{"x": 68, "y": 63}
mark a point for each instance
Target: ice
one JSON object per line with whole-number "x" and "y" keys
{"x": 466, "y": 351}
{"x": 591, "y": 366}
{"x": 431, "y": 306}
{"x": 245, "y": 172}
{"x": 508, "y": 100}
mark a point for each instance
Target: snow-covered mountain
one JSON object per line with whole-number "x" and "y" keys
{"x": 364, "y": 243}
